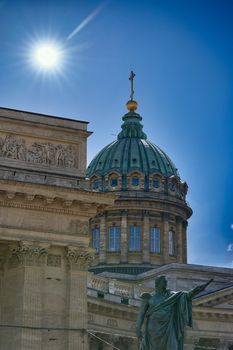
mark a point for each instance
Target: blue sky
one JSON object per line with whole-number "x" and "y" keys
{"x": 182, "y": 54}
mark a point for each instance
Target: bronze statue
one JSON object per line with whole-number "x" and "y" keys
{"x": 166, "y": 314}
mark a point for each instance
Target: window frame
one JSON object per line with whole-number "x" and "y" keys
{"x": 135, "y": 237}
{"x": 114, "y": 236}
{"x": 154, "y": 230}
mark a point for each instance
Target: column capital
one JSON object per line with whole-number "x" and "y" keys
{"x": 79, "y": 257}
{"x": 29, "y": 253}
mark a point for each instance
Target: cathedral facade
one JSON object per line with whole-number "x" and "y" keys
{"x": 44, "y": 231}
{"x": 78, "y": 246}
{"x": 143, "y": 236}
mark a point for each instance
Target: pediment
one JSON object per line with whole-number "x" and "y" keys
{"x": 221, "y": 298}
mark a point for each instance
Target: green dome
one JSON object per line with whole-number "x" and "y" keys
{"x": 131, "y": 152}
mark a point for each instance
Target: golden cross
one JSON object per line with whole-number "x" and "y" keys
{"x": 131, "y": 78}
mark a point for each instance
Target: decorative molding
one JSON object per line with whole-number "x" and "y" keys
{"x": 42, "y": 208}
{"x": 45, "y": 153}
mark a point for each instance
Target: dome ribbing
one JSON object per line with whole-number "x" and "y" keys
{"x": 132, "y": 152}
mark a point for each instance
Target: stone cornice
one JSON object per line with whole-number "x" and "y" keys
{"x": 150, "y": 204}
{"x": 9, "y": 234}
{"x": 35, "y": 119}
{"x": 52, "y": 199}
{"x": 174, "y": 267}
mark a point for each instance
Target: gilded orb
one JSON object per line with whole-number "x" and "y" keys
{"x": 132, "y": 105}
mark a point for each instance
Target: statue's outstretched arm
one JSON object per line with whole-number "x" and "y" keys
{"x": 193, "y": 292}
{"x": 141, "y": 315}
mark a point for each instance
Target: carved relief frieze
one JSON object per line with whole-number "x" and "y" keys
{"x": 80, "y": 257}
{"x": 46, "y": 153}
{"x": 27, "y": 254}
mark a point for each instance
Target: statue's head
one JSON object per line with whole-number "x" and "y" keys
{"x": 161, "y": 282}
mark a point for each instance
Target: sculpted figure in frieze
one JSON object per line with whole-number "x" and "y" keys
{"x": 166, "y": 314}
{"x": 40, "y": 153}
{"x": 10, "y": 147}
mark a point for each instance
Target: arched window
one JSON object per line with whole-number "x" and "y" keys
{"x": 113, "y": 181}
{"x": 134, "y": 238}
{"x": 156, "y": 182}
{"x": 96, "y": 238}
{"x": 155, "y": 240}
{"x": 171, "y": 242}
{"x": 95, "y": 184}
{"x": 135, "y": 181}
{"x": 114, "y": 239}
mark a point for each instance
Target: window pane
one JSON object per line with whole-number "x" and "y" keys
{"x": 134, "y": 238}
{"x": 114, "y": 239}
{"x": 113, "y": 182}
{"x": 156, "y": 183}
{"x": 171, "y": 242}
{"x": 135, "y": 181}
{"x": 155, "y": 240}
{"x": 95, "y": 184}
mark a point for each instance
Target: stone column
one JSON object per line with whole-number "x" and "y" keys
{"x": 78, "y": 259}
{"x": 103, "y": 239}
{"x": 25, "y": 275}
{"x": 165, "y": 246}
{"x": 179, "y": 237}
{"x": 146, "y": 237}
{"x": 124, "y": 235}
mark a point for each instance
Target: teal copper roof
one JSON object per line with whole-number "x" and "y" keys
{"x": 131, "y": 152}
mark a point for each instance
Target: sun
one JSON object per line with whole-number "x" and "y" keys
{"x": 47, "y": 56}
